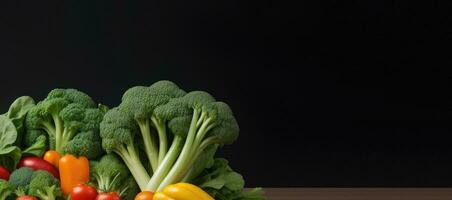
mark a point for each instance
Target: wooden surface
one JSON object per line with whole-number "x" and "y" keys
{"x": 358, "y": 193}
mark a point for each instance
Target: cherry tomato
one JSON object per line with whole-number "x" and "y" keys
{"x": 39, "y": 164}
{"x": 83, "y": 192}
{"x": 52, "y": 157}
{"x": 146, "y": 195}
{"x": 108, "y": 196}
{"x": 26, "y": 197}
{"x": 4, "y": 173}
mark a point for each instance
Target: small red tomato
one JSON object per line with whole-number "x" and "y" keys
{"x": 108, "y": 196}
{"x": 4, "y": 173}
{"x": 83, "y": 192}
{"x": 26, "y": 197}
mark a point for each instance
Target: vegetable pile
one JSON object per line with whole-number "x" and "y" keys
{"x": 158, "y": 143}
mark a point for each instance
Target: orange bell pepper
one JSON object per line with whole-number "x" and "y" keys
{"x": 52, "y": 157}
{"x": 73, "y": 171}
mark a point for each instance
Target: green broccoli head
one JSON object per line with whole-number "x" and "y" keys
{"x": 140, "y": 101}
{"x": 64, "y": 114}
{"x": 117, "y": 130}
{"x": 6, "y": 189}
{"x": 179, "y": 111}
{"x": 226, "y": 128}
{"x": 21, "y": 177}
{"x": 44, "y": 186}
{"x": 72, "y": 96}
{"x": 86, "y": 144}
{"x": 92, "y": 119}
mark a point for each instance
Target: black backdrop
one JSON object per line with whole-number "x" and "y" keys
{"x": 327, "y": 93}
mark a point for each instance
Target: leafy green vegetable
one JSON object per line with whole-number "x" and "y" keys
{"x": 18, "y": 110}
{"x": 222, "y": 183}
{"x": 9, "y": 154}
{"x": 38, "y": 148}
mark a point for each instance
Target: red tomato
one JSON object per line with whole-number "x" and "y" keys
{"x": 4, "y": 173}
{"x": 26, "y": 197}
{"x": 83, "y": 192}
{"x": 108, "y": 196}
{"x": 39, "y": 164}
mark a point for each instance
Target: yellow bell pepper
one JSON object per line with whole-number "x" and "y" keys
{"x": 182, "y": 191}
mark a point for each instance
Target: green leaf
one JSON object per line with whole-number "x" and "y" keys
{"x": 233, "y": 181}
{"x": 11, "y": 159}
{"x": 18, "y": 110}
{"x": 8, "y": 133}
{"x": 38, "y": 148}
{"x": 9, "y": 154}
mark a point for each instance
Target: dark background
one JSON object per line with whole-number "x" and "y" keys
{"x": 327, "y": 93}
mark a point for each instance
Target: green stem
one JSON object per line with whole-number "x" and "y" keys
{"x": 166, "y": 164}
{"x": 201, "y": 119}
{"x": 58, "y": 133}
{"x": 131, "y": 159}
{"x": 207, "y": 142}
{"x": 175, "y": 174}
{"x": 151, "y": 149}
{"x": 163, "y": 143}
{"x": 205, "y": 127}
{"x": 49, "y": 128}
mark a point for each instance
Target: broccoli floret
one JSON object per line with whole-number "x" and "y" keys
{"x": 6, "y": 189}
{"x": 44, "y": 186}
{"x": 63, "y": 115}
{"x": 21, "y": 177}
{"x": 109, "y": 173}
{"x": 118, "y": 134}
{"x": 85, "y": 144}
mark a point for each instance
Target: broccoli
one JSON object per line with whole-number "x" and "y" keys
{"x": 21, "y": 177}
{"x": 44, "y": 186}
{"x": 202, "y": 122}
{"x": 119, "y": 134}
{"x": 195, "y": 121}
{"x": 6, "y": 189}
{"x": 111, "y": 175}
{"x": 140, "y": 102}
{"x": 64, "y": 115}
